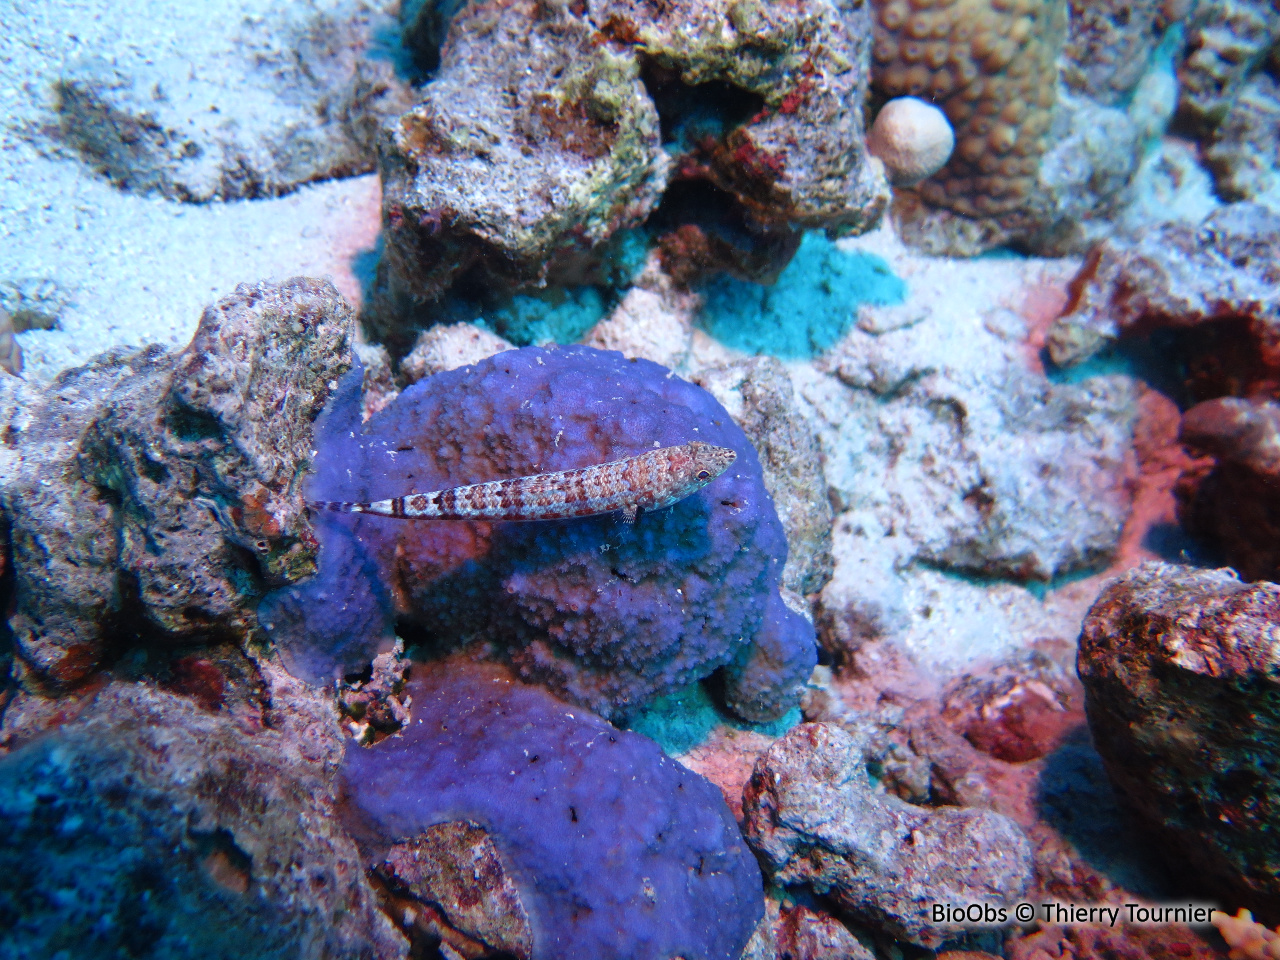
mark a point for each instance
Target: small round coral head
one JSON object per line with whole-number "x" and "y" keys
{"x": 912, "y": 138}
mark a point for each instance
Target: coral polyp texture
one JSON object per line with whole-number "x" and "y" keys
{"x": 991, "y": 67}
{"x": 614, "y": 849}
{"x": 605, "y": 613}
{"x": 912, "y": 138}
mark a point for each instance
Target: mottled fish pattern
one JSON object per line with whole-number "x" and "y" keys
{"x": 649, "y": 481}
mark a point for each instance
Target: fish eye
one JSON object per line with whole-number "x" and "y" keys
{"x": 704, "y": 475}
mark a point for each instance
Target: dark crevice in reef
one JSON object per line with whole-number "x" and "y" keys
{"x": 690, "y": 114}
{"x": 1211, "y": 360}
{"x": 702, "y": 229}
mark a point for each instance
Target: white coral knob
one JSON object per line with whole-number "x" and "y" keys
{"x": 912, "y": 138}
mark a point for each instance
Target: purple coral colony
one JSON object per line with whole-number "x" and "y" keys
{"x": 876, "y": 412}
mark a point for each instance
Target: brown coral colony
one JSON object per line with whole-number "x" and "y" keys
{"x": 990, "y": 66}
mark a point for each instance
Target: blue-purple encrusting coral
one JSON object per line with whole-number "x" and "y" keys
{"x": 606, "y": 614}
{"x": 616, "y": 850}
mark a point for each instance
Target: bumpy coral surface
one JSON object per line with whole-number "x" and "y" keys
{"x": 159, "y": 492}
{"x": 615, "y": 850}
{"x": 607, "y": 614}
{"x": 991, "y": 66}
{"x": 1180, "y": 673}
{"x": 150, "y": 827}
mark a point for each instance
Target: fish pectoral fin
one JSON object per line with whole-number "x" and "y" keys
{"x": 629, "y": 513}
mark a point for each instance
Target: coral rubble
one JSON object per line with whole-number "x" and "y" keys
{"x": 600, "y": 832}
{"x": 1179, "y": 669}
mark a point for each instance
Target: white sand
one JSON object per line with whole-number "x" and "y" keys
{"x": 139, "y": 269}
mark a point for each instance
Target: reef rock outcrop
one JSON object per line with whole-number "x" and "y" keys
{"x": 1227, "y": 40}
{"x": 555, "y": 110}
{"x": 158, "y": 493}
{"x": 760, "y": 397}
{"x": 813, "y": 818}
{"x": 606, "y": 614}
{"x": 1244, "y": 151}
{"x": 149, "y": 826}
{"x": 1178, "y": 275}
{"x": 612, "y": 849}
{"x": 1180, "y": 668}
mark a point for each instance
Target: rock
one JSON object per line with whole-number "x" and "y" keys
{"x": 1180, "y": 673}
{"x": 1244, "y": 153}
{"x": 448, "y": 347}
{"x": 654, "y": 320}
{"x": 456, "y": 867}
{"x": 1234, "y": 502}
{"x": 158, "y": 493}
{"x": 1110, "y": 43}
{"x": 250, "y": 106}
{"x": 912, "y": 138}
{"x": 760, "y": 397}
{"x": 813, "y": 818}
{"x": 785, "y": 142}
{"x": 805, "y": 934}
{"x": 476, "y": 176}
{"x": 608, "y": 615}
{"x": 763, "y": 112}
{"x": 981, "y": 465}
{"x": 1020, "y": 710}
{"x": 379, "y": 387}
{"x": 149, "y": 826}
{"x": 1227, "y": 40}
{"x": 566, "y": 800}
{"x": 10, "y": 352}
{"x": 1177, "y": 276}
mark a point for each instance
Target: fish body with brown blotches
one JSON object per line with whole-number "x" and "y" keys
{"x": 649, "y": 481}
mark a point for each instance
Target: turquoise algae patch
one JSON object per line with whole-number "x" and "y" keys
{"x": 808, "y": 309}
